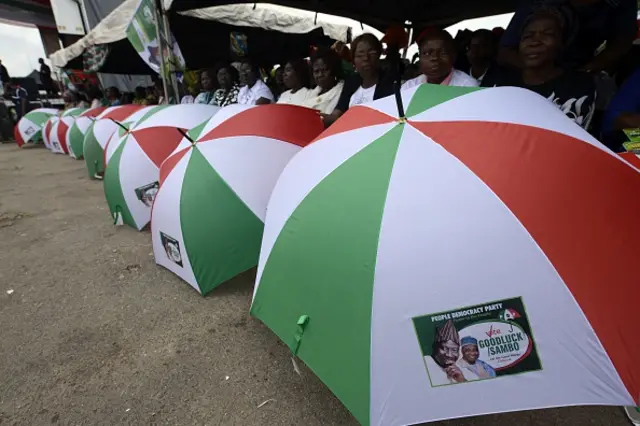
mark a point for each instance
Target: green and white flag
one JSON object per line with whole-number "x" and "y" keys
{"x": 143, "y": 36}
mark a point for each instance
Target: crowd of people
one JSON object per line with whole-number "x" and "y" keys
{"x": 559, "y": 49}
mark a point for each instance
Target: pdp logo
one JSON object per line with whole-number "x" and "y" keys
{"x": 509, "y": 315}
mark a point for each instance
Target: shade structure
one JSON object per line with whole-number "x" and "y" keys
{"x": 29, "y": 128}
{"x": 476, "y": 239}
{"x": 132, "y": 174}
{"x": 99, "y": 134}
{"x": 208, "y": 215}
{"x": 78, "y": 130}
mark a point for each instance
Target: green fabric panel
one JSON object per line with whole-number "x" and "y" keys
{"x": 113, "y": 189}
{"x": 152, "y": 111}
{"x": 93, "y": 154}
{"x": 221, "y": 234}
{"x": 194, "y": 133}
{"x": 37, "y": 117}
{"x": 323, "y": 265}
{"x": 76, "y": 139}
{"x": 429, "y": 95}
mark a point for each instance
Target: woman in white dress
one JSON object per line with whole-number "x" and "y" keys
{"x": 296, "y": 80}
{"x": 253, "y": 91}
{"x": 327, "y": 73}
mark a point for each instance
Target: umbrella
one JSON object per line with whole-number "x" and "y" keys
{"x": 98, "y": 135}
{"x": 72, "y": 112}
{"x": 208, "y": 215}
{"x": 123, "y": 129}
{"x": 78, "y": 130}
{"x": 474, "y": 240}
{"x": 46, "y": 131}
{"x": 61, "y": 135}
{"x": 58, "y": 134}
{"x": 132, "y": 175}
{"x": 29, "y": 128}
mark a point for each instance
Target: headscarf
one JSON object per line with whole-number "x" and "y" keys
{"x": 447, "y": 332}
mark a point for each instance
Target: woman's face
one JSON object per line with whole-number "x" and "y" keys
{"x": 540, "y": 43}
{"x": 322, "y": 75}
{"x": 224, "y": 78}
{"x": 247, "y": 76}
{"x": 436, "y": 59}
{"x": 206, "y": 81}
{"x": 290, "y": 78}
{"x": 366, "y": 58}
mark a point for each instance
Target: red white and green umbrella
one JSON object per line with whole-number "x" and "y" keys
{"x": 78, "y": 130}
{"x": 29, "y": 128}
{"x": 208, "y": 215}
{"x": 133, "y": 171}
{"x": 123, "y": 129}
{"x": 58, "y": 134}
{"x": 72, "y": 112}
{"x": 482, "y": 239}
{"x": 99, "y": 133}
{"x": 46, "y": 131}
{"x": 61, "y": 131}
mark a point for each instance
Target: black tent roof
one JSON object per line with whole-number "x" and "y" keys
{"x": 383, "y": 13}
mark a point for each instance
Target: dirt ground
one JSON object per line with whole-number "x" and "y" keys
{"x": 94, "y": 333}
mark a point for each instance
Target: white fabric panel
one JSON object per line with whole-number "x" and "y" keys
{"x": 283, "y": 19}
{"x": 133, "y": 118}
{"x": 250, "y": 165}
{"x": 25, "y": 125}
{"x": 305, "y": 170}
{"x": 46, "y": 135}
{"x": 103, "y": 130}
{"x": 183, "y": 116}
{"x": 83, "y": 124}
{"x": 112, "y": 145}
{"x": 448, "y": 242}
{"x": 136, "y": 170}
{"x": 111, "y": 29}
{"x": 166, "y": 219}
{"x": 504, "y": 105}
{"x": 388, "y": 104}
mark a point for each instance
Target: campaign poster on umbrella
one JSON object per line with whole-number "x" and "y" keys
{"x": 477, "y": 342}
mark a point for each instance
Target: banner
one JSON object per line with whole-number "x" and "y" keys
{"x": 142, "y": 34}
{"x": 477, "y": 342}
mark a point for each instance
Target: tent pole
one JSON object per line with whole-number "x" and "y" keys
{"x": 172, "y": 58}
{"x": 161, "y": 48}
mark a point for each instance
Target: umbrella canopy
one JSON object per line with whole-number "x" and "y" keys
{"x": 58, "y": 135}
{"x": 99, "y": 133}
{"x": 208, "y": 215}
{"x": 72, "y": 112}
{"x": 132, "y": 175}
{"x": 475, "y": 239}
{"x": 29, "y": 128}
{"x": 78, "y": 130}
{"x": 46, "y": 131}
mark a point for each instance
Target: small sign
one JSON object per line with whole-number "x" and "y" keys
{"x": 477, "y": 342}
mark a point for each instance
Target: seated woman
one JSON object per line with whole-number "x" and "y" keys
{"x": 296, "y": 79}
{"x": 369, "y": 84}
{"x": 437, "y": 56}
{"x": 327, "y": 73}
{"x": 540, "y": 47}
{"x": 623, "y": 113}
{"x": 253, "y": 91}
{"x": 227, "y": 94}
{"x": 208, "y": 86}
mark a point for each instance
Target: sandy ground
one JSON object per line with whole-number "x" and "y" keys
{"x": 94, "y": 333}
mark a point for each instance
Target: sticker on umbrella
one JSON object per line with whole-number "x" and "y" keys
{"x": 477, "y": 342}
{"x": 147, "y": 193}
{"x": 172, "y": 248}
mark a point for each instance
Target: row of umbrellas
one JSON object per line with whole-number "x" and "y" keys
{"x": 472, "y": 257}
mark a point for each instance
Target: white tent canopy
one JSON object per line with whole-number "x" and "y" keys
{"x": 280, "y": 18}
{"x": 111, "y": 29}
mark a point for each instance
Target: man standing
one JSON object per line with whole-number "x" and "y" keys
{"x": 441, "y": 364}
{"x": 45, "y": 77}
{"x": 472, "y": 367}
{"x": 4, "y": 79}
{"x": 20, "y": 99}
